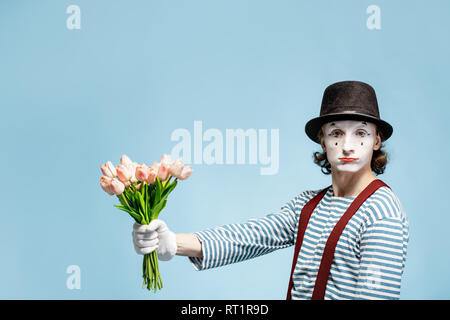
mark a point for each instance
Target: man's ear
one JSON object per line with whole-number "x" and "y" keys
{"x": 377, "y": 144}
{"x": 322, "y": 143}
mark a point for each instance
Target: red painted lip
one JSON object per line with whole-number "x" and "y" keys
{"x": 347, "y": 159}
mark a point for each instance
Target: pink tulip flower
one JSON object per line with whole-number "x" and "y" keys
{"x": 142, "y": 172}
{"x": 108, "y": 169}
{"x": 105, "y": 183}
{"x": 176, "y": 168}
{"x": 132, "y": 167}
{"x": 123, "y": 173}
{"x": 125, "y": 160}
{"x": 152, "y": 174}
{"x": 163, "y": 172}
{"x": 166, "y": 160}
{"x": 117, "y": 187}
{"x": 156, "y": 166}
{"x": 187, "y": 171}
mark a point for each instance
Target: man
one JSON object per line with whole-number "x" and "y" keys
{"x": 351, "y": 238}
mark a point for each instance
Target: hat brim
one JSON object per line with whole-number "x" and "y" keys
{"x": 313, "y": 126}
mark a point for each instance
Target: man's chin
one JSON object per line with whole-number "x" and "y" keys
{"x": 347, "y": 167}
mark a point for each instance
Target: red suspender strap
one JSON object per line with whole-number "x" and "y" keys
{"x": 307, "y": 210}
{"x": 328, "y": 253}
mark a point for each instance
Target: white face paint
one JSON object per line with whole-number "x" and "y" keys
{"x": 349, "y": 144}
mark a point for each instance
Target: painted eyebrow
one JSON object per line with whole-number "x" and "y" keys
{"x": 363, "y": 124}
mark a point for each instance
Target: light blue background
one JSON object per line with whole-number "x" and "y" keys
{"x": 137, "y": 70}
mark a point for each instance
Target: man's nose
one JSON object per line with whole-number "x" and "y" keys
{"x": 347, "y": 146}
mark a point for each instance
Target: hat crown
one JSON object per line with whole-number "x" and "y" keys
{"x": 350, "y": 97}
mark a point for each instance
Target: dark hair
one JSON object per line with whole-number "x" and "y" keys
{"x": 378, "y": 162}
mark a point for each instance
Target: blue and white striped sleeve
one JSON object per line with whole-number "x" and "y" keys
{"x": 383, "y": 249}
{"x": 238, "y": 242}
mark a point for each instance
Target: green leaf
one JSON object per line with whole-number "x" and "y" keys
{"x": 163, "y": 206}
{"x": 141, "y": 205}
{"x": 152, "y": 197}
{"x": 136, "y": 217}
{"x": 141, "y": 202}
{"x": 122, "y": 201}
{"x": 128, "y": 196}
{"x": 136, "y": 202}
{"x": 158, "y": 191}
{"x": 149, "y": 211}
{"x": 150, "y": 193}
{"x": 169, "y": 189}
{"x": 147, "y": 201}
{"x": 157, "y": 209}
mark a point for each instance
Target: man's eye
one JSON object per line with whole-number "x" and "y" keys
{"x": 361, "y": 133}
{"x": 335, "y": 133}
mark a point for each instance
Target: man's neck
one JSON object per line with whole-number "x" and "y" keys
{"x": 350, "y": 184}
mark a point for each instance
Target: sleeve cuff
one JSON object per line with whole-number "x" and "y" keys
{"x": 202, "y": 263}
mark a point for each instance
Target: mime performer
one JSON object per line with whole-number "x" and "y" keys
{"x": 350, "y": 238}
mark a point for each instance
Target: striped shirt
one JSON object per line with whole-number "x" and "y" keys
{"x": 369, "y": 258}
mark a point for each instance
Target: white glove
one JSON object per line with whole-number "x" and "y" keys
{"x": 156, "y": 235}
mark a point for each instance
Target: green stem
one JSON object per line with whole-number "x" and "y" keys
{"x": 165, "y": 183}
{"x": 150, "y": 271}
{"x": 155, "y": 265}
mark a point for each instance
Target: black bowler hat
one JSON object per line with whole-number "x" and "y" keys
{"x": 348, "y": 100}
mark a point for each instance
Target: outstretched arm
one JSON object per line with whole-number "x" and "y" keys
{"x": 188, "y": 244}
{"x": 237, "y": 242}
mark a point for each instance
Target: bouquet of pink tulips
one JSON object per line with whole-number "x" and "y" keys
{"x": 142, "y": 192}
